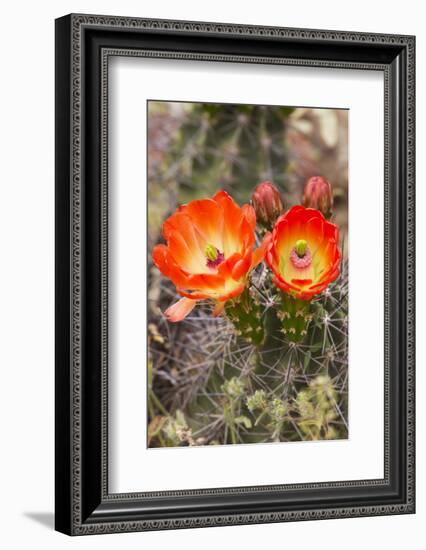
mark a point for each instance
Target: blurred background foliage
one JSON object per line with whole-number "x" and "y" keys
{"x": 204, "y": 382}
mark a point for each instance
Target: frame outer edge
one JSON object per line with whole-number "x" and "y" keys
{"x": 77, "y": 22}
{"x": 63, "y": 494}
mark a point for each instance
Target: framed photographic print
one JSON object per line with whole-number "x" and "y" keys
{"x": 234, "y": 274}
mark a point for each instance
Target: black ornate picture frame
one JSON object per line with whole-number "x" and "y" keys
{"x": 84, "y": 43}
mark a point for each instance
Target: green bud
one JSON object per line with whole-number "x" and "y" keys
{"x": 234, "y": 388}
{"x": 257, "y": 401}
{"x": 278, "y": 410}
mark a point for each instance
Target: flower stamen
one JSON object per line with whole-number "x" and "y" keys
{"x": 214, "y": 256}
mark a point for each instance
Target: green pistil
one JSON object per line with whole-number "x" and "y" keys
{"x": 211, "y": 252}
{"x": 300, "y": 247}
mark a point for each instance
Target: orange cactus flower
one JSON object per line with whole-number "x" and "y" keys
{"x": 209, "y": 252}
{"x": 303, "y": 252}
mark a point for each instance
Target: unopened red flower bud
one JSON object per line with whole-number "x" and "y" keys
{"x": 267, "y": 203}
{"x": 318, "y": 194}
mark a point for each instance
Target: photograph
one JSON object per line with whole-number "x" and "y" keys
{"x": 247, "y": 274}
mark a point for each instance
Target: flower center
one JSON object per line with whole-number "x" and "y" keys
{"x": 213, "y": 255}
{"x": 300, "y": 247}
{"x": 301, "y": 256}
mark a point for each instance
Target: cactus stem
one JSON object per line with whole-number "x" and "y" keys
{"x": 295, "y": 316}
{"x": 246, "y": 316}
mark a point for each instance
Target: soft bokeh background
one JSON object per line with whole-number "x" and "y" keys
{"x": 196, "y": 367}
{"x": 194, "y": 149}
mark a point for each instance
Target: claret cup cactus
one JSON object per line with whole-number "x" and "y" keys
{"x": 270, "y": 285}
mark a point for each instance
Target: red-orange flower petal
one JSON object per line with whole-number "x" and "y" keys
{"x": 232, "y": 293}
{"x": 167, "y": 265}
{"x": 194, "y": 295}
{"x": 179, "y": 310}
{"x": 242, "y": 266}
{"x": 259, "y": 254}
{"x": 218, "y": 309}
{"x": 249, "y": 214}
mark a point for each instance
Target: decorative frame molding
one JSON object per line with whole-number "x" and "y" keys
{"x": 84, "y": 43}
